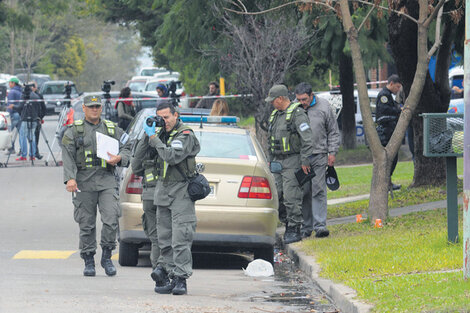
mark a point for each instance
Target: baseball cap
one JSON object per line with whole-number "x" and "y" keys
{"x": 14, "y": 79}
{"x": 91, "y": 100}
{"x": 276, "y": 91}
{"x": 331, "y": 178}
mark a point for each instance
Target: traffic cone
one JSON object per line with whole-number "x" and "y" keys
{"x": 378, "y": 223}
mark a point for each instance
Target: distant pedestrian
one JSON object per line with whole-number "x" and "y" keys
{"x": 13, "y": 98}
{"x": 207, "y": 103}
{"x": 326, "y": 141}
{"x": 125, "y": 107}
{"x": 219, "y": 108}
{"x": 41, "y": 114}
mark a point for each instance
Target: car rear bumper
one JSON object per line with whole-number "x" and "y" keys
{"x": 221, "y": 227}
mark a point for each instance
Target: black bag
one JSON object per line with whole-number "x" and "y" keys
{"x": 198, "y": 186}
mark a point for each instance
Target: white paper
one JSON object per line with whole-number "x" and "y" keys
{"x": 105, "y": 144}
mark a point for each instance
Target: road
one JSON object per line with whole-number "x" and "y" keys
{"x": 41, "y": 270}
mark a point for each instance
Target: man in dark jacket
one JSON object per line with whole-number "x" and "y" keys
{"x": 207, "y": 102}
{"x": 14, "y": 96}
{"x": 42, "y": 113}
{"x": 386, "y": 116}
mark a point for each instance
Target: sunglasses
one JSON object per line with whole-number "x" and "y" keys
{"x": 94, "y": 106}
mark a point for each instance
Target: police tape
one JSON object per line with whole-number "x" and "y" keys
{"x": 62, "y": 100}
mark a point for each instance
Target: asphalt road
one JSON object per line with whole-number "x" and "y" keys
{"x": 41, "y": 270}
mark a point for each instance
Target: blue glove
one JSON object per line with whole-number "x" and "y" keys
{"x": 149, "y": 130}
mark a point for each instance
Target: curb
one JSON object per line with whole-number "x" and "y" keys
{"x": 342, "y": 296}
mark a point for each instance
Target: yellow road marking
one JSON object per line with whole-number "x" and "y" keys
{"x": 44, "y": 254}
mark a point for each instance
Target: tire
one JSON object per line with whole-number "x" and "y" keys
{"x": 128, "y": 254}
{"x": 266, "y": 254}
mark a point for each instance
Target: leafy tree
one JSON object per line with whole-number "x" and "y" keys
{"x": 72, "y": 61}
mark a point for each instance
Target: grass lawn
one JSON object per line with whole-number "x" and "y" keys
{"x": 406, "y": 266}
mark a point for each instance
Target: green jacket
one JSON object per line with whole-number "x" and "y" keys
{"x": 79, "y": 155}
{"x": 290, "y": 134}
{"x": 180, "y": 149}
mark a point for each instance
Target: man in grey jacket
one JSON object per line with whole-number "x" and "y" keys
{"x": 326, "y": 144}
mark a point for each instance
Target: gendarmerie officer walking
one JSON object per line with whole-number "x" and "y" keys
{"x": 92, "y": 183}
{"x": 387, "y": 112}
{"x": 177, "y": 147}
{"x": 144, "y": 163}
{"x": 290, "y": 145}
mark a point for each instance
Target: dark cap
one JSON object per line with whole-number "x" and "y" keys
{"x": 331, "y": 178}
{"x": 91, "y": 100}
{"x": 276, "y": 91}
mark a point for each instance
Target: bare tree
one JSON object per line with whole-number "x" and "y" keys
{"x": 263, "y": 51}
{"x": 382, "y": 156}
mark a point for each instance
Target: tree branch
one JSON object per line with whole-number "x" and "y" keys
{"x": 365, "y": 19}
{"x": 438, "y": 38}
{"x": 390, "y": 10}
{"x": 276, "y": 8}
{"x": 434, "y": 13}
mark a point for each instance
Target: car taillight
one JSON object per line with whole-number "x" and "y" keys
{"x": 134, "y": 185}
{"x": 255, "y": 187}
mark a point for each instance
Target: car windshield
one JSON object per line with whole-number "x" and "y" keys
{"x": 50, "y": 89}
{"x": 137, "y": 85}
{"x": 153, "y": 85}
{"x": 150, "y": 72}
{"x": 225, "y": 145}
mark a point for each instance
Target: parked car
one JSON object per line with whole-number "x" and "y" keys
{"x": 53, "y": 92}
{"x": 5, "y": 134}
{"x": 137, "y": 83}
{"x": 150, "y": 71}
{"x": 40, "y": 79}
{"x": 240, "y": 213}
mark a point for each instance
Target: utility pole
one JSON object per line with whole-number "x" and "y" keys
{"x": 466, "y": 146}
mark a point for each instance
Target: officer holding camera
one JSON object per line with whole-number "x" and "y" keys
{"x": 92, "y": 183}
{"x": 176, "y": 147}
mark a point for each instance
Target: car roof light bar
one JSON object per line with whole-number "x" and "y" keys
{"x": 210, "y": 119}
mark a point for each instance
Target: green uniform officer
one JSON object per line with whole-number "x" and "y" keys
{"x": 291, "y": 144}
{"x": 92, "y": 182}
{"x": 177, "y": 147}
{"x": 144, "y": 164}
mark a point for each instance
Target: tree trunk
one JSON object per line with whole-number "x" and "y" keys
{"x": 378, "y": 204}
{"x": 403, "y": 42}
{"x": 12, "y": 52}
{"x": 348, "y": 118}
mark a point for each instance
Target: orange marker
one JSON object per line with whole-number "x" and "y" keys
{"x": 378, "y": 223}
{"x": 358, "y": 218}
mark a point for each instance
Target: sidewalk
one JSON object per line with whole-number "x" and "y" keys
{"x": 343, "y": 296}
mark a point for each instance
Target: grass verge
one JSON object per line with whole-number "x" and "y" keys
{"x": 398, "y": 268}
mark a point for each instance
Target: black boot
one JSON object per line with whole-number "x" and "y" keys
{"x": 162, "y": 282}
{"x": 89, "y": 264}
{"x": 180, "y": 286}
{"x": 106, "y": 262}
{"x": 292, "y": 234}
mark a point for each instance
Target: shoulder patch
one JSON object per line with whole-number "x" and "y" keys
{"x": 177, "y": 144}
{"x": 384, "y": 99}
{"x": 186, "y": 132}
{"x": 303, "y": 127}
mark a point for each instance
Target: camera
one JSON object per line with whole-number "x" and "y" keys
{"x": 159, "y": 121}
{"x": 27, "y": 90}
{"x": 107, "y": 86}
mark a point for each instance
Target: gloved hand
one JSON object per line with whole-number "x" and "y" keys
{"x": 149, "y": 130}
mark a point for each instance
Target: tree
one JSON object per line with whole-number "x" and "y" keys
{"x": 72, "y": 62}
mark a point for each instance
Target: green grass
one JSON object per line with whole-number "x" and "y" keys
{"x": 389, "y": 266}
{"x": 247, "y": 122}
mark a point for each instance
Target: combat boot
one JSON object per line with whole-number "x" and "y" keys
{"x": 180, "y": 286}
{"x": 292, "y": 234}
{"x": 162, "y": 282}
{"x": 89, "y": 264}
{"x": 106, "y": 262}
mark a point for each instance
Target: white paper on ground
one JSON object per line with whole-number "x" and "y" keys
{"x": 105, "y": 144}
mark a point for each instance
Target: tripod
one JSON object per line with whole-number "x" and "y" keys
{"x": 58, "y": 129}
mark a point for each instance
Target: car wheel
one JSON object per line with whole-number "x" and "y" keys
{"x": 128, "y": 254}
{"x": 266, "y": 254}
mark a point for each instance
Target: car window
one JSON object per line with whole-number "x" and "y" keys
{"x": 54, "y": 89}
{"x": 137, "y": 86}
{"x": 150, "y": 72}
{"x": 225, "y": 145}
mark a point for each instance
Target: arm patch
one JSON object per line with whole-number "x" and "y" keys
{"x": 303, "y": 127}
{"x": 177, "y": 144}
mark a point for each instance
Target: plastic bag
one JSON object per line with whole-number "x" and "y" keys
{"x": 258, "y": 268}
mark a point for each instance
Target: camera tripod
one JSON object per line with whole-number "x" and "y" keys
{"x": 60, "y": 124}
